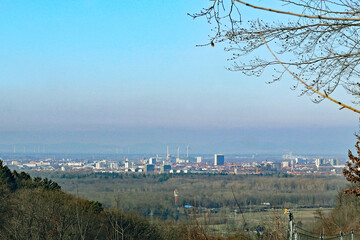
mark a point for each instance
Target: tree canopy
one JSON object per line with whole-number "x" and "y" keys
{"x": 315, "y": 42}
{"x": 36, "y": 208}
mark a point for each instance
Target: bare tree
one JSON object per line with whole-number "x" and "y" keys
{"x": 352, "y": 172}
{"x": 316, "y": 42}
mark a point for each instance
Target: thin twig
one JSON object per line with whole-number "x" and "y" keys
{"x": 298, "y": 14}
{"x": 297, "y": 78}
{"x": 238, "y": 204}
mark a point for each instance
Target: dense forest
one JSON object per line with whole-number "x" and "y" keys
{"x": 152, "y": 194}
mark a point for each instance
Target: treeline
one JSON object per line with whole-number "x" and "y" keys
{"x": 343, "y": 218}
{"x": 152, "y": 194}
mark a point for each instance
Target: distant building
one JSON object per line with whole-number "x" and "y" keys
{"x": 75, "y": 164}
{"x": 276, "y": 166}
{"x": 30, "y": 165}
{"x": 48, "y": 163}
{"x": 152, "y": 160}
{"x": 114, "y": 165}
{"x": 165, "y": 168}
{"x": 150, "y": 168}
{"x": 300, "y": 160}
{"x": 334, "y": 162}
{"x": 319, "y": 162}
{"x": 219, "y": 159}
{"x": 101, "y": 164}
{"x": 285, "y": 164}
{"x": 198, "y": 159}
{"x": 179, "y": 160}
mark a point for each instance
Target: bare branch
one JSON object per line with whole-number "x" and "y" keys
{"x": 304, "y": 83}
{"x": 299, "y": 15}
{"x": 320, "y": 44}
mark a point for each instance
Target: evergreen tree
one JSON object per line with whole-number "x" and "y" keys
{"x": 6, "y": 177}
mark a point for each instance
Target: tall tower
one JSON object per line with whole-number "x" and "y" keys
{"x": 176, "y": 195}
{"x": 167, "y": 154}
{"x": 187, "y": 153}
{"x": 178, "y": 155}
{"x": 219, "y": 159}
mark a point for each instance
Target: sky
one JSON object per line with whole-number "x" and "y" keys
{"x": 129, "y": 74}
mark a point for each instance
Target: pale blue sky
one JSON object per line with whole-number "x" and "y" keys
{"x": 102, "y": 66}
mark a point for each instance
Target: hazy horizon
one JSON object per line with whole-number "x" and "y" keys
{"x": 129, "y": 74}
{"x": 155, "y": 141}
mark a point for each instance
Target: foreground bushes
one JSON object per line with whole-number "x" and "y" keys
{"x": 38, "y": 209}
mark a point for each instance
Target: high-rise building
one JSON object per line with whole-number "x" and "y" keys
{"x": 198, "y": 159}
{"x": 319, "y": 162}
{"x": 219, "y": 159}
{"x": 152, "y": 160}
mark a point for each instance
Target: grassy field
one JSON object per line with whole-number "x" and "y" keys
{"x": 272, "y": 219}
